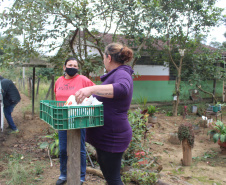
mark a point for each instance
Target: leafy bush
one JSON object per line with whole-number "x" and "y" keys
{"x": 139, "y": 129}
{"x": 140, "y": 172}
{"x": 45, "y": 72}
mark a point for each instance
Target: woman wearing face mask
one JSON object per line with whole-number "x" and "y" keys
{"x": 65, "y": 86}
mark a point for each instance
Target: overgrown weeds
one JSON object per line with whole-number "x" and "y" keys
{"x": 138, "y": 155}
{"x": 21, "y": 170}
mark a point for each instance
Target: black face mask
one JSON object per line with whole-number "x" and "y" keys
{"x": 71, "y": 71}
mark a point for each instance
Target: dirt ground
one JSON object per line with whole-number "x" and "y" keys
{"x": 208, "y": 165}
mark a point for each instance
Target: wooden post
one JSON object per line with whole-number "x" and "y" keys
{"x": 74, "y": 157}
{"x": 19, "y": 82}
{"x": 33, "y": 93}
{"x": 23, "y": 81}
{"x": 50, "y": 87}
{"x": 187, "y": 155}
{"x": 29, "y": 87}
{"x": 37, "y": 87}
{"x": 52, "y": 94}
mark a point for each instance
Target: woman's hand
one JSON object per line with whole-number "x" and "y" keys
{"x": 83, "y": 93}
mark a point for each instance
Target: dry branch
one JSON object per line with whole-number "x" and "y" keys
{"x": 94, "y": 171}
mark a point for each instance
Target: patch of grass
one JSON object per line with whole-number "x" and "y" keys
{"x": 16, "y": 172}
{"x": 38, "y": 168}
{"x": 178, "y": 172}
{"x": 205, "y": 180}
{"x": 21, "y": 170}
{"x": 207, "y": 155}
{"x": 164, "y": 109}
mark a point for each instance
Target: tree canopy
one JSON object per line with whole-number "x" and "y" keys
{"x": 178, "y": 24}
{"x": 68, "y": 25}
{"x": 79, "y": 28}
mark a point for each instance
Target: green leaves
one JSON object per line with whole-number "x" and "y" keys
{"x": 139, "y": 128}
{"x": 219, "y": 131}
{"x": 53, "y": 146}
{"x": 216, "y": 137}
{"x": 44, "y": 145}
{"x": 185, "y": 131}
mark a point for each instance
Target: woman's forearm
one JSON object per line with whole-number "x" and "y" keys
{"x": 103, "y": 90}
{"x": 99, "y": 90}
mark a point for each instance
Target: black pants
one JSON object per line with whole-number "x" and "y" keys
{"x": 110, "y": 165}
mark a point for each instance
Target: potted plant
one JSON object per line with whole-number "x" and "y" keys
{"x": 151, "y": 110}
{"x": 219, "y": 106}
{"x": 219, "y": 133}
{"x": 186, "y": 135}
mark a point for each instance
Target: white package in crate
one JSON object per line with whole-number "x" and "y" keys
{"x": 82, "y": 111}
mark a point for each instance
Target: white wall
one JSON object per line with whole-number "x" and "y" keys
{"x": 153, "y": 70}
{"x": 91, "y": 50}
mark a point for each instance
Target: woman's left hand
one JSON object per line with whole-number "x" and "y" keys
{"x": 83, "y": 93}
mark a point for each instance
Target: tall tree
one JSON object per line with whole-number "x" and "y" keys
{"x": 207, "y": 64}
{"x": 11, "y": 49}
{"x": 178, "y": 23}
{"x": 68, "y": 25}
{"x": 184, "y": 20}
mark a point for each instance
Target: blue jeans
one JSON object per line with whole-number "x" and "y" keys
{"x": 63, "y": 154}
{"x": 8, "y": 111}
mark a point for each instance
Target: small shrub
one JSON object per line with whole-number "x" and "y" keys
{"x": 185, "y": 131}
{"x": 169, "y": 113}
{"x": 218, "y": 131}
{"x": 139, "y": 177}
{"x": 151, "y": 110}
{"x": 137, "y": 122}
{"x": 201, "y": 108}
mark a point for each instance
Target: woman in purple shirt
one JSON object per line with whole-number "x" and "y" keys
{"x": 115, "y": 92}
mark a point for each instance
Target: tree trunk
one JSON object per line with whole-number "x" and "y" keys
{"x": 177, "y": 88}
{"x": 73, "y": 161}
{"x": 176, "y": 103}
{"x": 187, "y": 154}
{"x": 175, "y": 106}
{"x": 214, "y": 90}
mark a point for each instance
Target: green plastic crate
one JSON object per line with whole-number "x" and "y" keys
{"x": 62, "y": 117}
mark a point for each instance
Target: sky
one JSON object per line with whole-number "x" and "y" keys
{"x": 216, "y": 34}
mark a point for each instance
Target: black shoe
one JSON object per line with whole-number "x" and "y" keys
{"x": 59, "y": 182}
{"x": 81, "y": 182}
